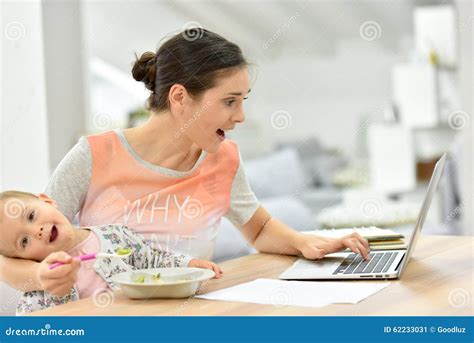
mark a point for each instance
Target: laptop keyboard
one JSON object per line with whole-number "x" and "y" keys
{"x": 379, "y": 262}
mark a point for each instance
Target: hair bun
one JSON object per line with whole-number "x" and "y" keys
{"x": 144, "y": 69}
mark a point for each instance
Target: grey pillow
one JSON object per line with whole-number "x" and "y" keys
{"x": 276, "y": 174}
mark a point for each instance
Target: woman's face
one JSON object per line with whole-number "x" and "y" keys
{"x": 206, "y": 120}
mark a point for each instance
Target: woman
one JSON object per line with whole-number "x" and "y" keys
{"x": 173, "y": 178}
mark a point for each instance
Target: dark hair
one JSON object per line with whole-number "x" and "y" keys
{"x": 194, "y": 58}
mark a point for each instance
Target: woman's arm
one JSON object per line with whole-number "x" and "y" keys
{"x": 20, "y": 274}
{"x": 270, "y": 235}
{"x": 27, "y": 275}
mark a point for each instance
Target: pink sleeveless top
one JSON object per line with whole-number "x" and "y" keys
{"x": 176, "y": 214}
{"x": 88, "y": 281}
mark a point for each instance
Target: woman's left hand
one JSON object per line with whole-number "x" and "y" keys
{"x": 314, "y": 247}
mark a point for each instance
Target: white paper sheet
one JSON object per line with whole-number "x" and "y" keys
{"x": 282, "y": 293}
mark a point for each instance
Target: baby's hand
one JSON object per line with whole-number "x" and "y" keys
{"x": 60, "y": 280}
{"x": 206, "y": 265}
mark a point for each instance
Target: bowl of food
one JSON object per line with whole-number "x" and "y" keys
{"x": 162, "y": 282}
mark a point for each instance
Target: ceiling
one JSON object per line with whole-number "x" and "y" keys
{"x": 266, "y": 30}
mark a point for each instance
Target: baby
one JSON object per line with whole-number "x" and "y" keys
{"x": 32, "y": 227}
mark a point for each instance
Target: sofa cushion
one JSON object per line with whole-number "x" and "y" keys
{"x": 276, "y": 174}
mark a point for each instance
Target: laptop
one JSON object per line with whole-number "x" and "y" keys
{"x": 383, "y": 264}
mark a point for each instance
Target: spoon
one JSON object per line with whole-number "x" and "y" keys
{"x": 119, "y": 253}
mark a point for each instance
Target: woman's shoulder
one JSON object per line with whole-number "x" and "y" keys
{"x": 81, "y": 148}
{"x": 78, "y": 156}
{"x": 70, "y": 180}
{"x": 101, "y": 135}
{"x": 106, "y": 143}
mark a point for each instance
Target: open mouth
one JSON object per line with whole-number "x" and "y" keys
{"x": 221, "y": 134}
{"x": 54, "y": 234}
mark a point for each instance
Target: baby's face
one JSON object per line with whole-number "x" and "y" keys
{"x": 35, "y": 232}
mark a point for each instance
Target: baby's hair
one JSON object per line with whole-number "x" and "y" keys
{"x": 7, "y": 196}
{"x": 11, "y": 204}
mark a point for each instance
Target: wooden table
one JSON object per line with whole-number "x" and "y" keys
{"x": 437, "y": 282}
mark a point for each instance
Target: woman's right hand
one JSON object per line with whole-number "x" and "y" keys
{"x": 60, "y": 280}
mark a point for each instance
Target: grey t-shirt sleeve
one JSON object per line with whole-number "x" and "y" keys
{"x": 70, "y": 181}
{"x": 243, "y": 202}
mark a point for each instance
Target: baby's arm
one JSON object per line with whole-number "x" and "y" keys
{"x": 206, "y": 265}
{"x": 145, "y": 256}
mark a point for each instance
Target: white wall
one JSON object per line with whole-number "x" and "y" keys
{"x": 24, "y": 143}
{"x": 325, "y": 96}
{"x": 325, "y": 89}
{"x": 66, "y": 74}
{"x": 24, "y": 121}
{"x": 466, "y": 37}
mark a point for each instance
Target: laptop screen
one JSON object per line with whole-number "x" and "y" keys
{"x": 438, "y": 170}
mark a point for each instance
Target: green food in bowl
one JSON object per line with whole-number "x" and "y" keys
{"x": 139, "y": 279}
